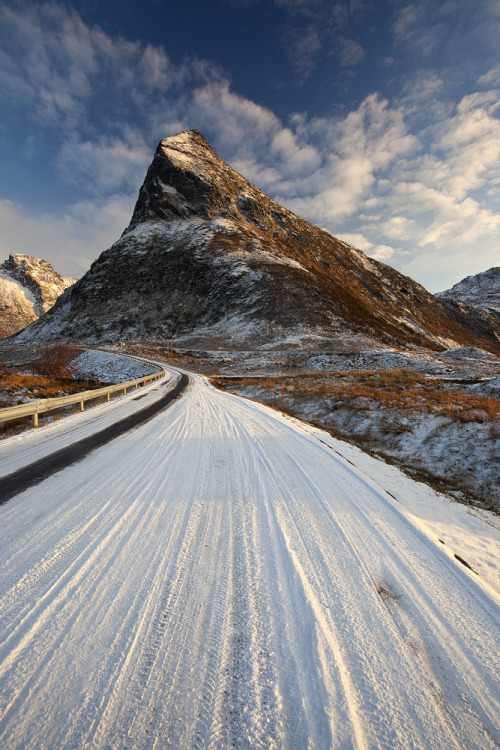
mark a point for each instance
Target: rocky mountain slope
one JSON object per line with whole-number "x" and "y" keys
{"x": 209, "y": 258}
{"x": 481, "y": 290}
{"x": 28, "y": 288}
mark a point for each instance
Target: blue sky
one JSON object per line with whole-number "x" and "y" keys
{"x": 375, "y": 119}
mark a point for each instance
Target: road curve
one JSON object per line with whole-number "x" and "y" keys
{"x": 35, "y": 472}
{"x": 218, "y": 578}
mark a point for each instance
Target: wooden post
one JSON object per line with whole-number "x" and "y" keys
{"x": 35, "y": 420}
{"x": 282, "y": 389}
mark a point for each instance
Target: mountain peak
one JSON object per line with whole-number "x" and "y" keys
{"x": 187, "y": 178}
{"x": 481, "y": 290}
{"x": 28, "y": 287}
{"x": 184, "y": 139}
{"x": 208, "y": 254}
{"x": 186, "y": 149}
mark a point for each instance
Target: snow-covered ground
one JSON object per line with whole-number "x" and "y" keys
{"x": 456, "y": 448}
{"x": 94, "y": 364}
{"x": 223, "y": 576}
{"x": 463, "y": 455}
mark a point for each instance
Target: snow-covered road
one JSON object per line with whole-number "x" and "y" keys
{"x": 219, "y": 577}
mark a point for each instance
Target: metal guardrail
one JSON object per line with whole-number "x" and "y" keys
{"x": 48, "y": 404}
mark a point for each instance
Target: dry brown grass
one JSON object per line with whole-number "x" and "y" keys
{"x": 15, "y": 388}
{"x": 396, "y": 398}
{"x": 392, "y": 389}
{"x": 36, "y": 386}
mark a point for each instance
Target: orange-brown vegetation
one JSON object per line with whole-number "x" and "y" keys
{"x": 374, "y": 409}
{"x": 37, "y": 386}
{"x": 397, "y": 389}
{"x": 48, "y": 375}
{"x": 56, "y": 361}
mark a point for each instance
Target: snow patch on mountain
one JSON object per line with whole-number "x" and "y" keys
{"x": 11, "y": 285}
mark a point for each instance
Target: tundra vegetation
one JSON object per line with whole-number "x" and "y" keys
{"x": 430, "y": 427}
{"x": 45, "y": 372}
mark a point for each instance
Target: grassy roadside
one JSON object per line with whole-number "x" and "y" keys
{"x": 399, "y": 389}
{"x": 429, "y": 427}
{"x": 47, "y": 372}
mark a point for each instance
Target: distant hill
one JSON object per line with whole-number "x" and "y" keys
{"x": 481, "y": 290}
{"x": 28, "y": 288}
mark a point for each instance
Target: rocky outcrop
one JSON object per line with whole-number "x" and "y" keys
{"x": 209, "y": 255}
{"x": 28, "y": 288}
{"x": 481, "y": 291}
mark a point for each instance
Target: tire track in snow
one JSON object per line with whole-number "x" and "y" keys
{"x": 358, "y": 544}
{"x": 177, "y": 623}
{"x": 108, "y": 534}
{"x": 30, "y": 476}
{"x": 218, "y": 579}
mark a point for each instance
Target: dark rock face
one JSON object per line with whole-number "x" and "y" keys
{"x": 209, "y": 254}
{"x": 28, "y": 288}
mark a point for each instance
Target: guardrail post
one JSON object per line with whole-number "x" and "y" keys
{"x": 43, "y": 405}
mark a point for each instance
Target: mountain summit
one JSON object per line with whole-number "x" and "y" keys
{"x": 208, "y": 255}
{"x": 481, "y": 290}
{"x": 28, "y": 288}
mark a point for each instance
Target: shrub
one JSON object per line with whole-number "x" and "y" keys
{"x": 57, "y": 361}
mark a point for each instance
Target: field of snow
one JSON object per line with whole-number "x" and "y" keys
{"x": 223, "y": 576}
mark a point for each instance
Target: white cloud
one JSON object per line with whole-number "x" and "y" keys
{"x": 356, "y": 240}
{"x": 381, "y": 252}
{"x": 492, "y": 77}
{"x": 297, "y": 157}
{"x": 351, "y": 52}
{"x": 58, "y": 68}
{"x": 449, "y": 34}
{"x": 440, "y": 203}
{"x": 378, "y": 252}
{"x": 105, "y": 166}
{"x": 399, "y": 228}
{"x": 70, "y": 241}
{"x": 405, "y": 23}
{"x": 303, "y": 44}
{"x": 318, "y": 29}
{"x": 354, "y": 151}
{"x": 470, "y": 144}
{"x": 241, "y": 122}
